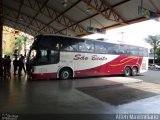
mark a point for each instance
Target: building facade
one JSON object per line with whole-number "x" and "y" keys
{"x": 8, "y": 40}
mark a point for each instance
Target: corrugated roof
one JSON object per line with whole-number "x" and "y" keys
{"x": 73, "y": 17}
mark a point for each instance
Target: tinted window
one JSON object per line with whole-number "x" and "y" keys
{"x": 111, "y": 48}
{"x": 82, "y": 47}
{"x": 143, "y": 52}
{"x": 100, "y": 47}
{"x": 73, "y": 45}
{"x": 89, "y": 46}
{"x": 86, "y": 46}
{"x": 49, "y": 42}
{"x": 54, "y": 56}
{"x": 108, "y": 48}
{"x": 43, "y": 57}
{"x": 133, "y": 50}
{"x": 69, "y": 44}
{"x": 124, "y": 49}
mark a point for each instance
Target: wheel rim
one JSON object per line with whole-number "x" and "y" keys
{"x": 65, "y": 74}
{"x": 127, "y": 71}
{"x": 134, "y": 71}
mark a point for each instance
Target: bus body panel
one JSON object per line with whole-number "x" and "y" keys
{"x": 144, "y": 65}
{"x": 91, "y": 66}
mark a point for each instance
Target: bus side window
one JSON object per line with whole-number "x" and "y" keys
{"x": 69, "y": 45}
{"x": 54, "y": 56}
{"x": 100, "y": 48}
{"x": 82, "y": 47}
{"x": 43, "y": 57}
{"x": 89, "y": 46}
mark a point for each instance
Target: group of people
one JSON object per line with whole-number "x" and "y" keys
{"x": 18, "y": 65}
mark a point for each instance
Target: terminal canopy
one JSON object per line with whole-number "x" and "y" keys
{"x": 75, "y": 17}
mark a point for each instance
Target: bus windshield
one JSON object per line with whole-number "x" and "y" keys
{"x": 32, "y": 56}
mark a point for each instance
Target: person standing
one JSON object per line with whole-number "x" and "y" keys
{"x": 8, "y": 67}
{"x": 21, "y": 65}
{"x": 4, "y": 64}
{"x": 20, "y": 62}
{"x": 15, "y": 64}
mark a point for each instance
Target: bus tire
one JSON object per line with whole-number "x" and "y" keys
{"x": 134, "y": 71}
{"x": 65, "y": 74}
{"x": 127, "y": 71}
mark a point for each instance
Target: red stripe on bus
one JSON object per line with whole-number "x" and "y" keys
{"x": 113, "y": 67}
{"x": 46, "y": 76}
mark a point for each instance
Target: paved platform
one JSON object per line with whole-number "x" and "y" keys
{"x": 65, "y": 97}
{"x": 103, "y": 81}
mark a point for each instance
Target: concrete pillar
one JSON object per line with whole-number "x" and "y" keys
{"x": 1, "y": 28}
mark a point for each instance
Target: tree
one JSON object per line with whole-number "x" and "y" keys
{"x": 19, "y": 42}
{"x": 154, "y": 41}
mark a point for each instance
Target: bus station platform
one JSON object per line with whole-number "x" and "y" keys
{"x": 106, "y": 81}
{"x": 98, "y": 95}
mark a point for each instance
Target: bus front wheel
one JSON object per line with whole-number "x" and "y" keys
{"x": 65, "y": 74}
{"x": 127, "y": 71}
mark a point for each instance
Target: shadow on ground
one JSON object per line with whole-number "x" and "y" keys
{"x": 116, "y": 94}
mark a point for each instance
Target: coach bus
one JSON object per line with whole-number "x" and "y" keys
{"x": 54, "y": 56}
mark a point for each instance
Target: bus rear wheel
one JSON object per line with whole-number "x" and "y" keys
{"x": 127, "y": 71}
{"x": 65, "y": 74}
{"x": 134, "y": 71}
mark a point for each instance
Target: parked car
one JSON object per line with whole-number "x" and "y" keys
{"x": 153, "y": 66}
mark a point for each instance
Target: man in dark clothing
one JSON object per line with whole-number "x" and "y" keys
{"x": 1, "y": 68}
{"x": 8, "y": 66}
{"x": 21, "y": 65}
{"x": 15, "y": 64}
{"x": 4, "y": 63}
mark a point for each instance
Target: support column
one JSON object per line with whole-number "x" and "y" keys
{"x": 1, "y": 29}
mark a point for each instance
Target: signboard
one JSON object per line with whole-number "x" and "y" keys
{"x": 93, "y": 30}
{"x": 146, "y": 12}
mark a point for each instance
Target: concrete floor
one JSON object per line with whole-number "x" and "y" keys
{"x": 64, "y": 97}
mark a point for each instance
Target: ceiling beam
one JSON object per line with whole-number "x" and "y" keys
{"x": 18, "y": 23}
{"x": 86, "y": 33}
{"x": 104, "y": 2}
{"x": 59, "y": 15}
{"x": 7, "y": 17}
{"x": 36, "y": 23}
{"x": 69, "y": 25}
{"x": 100, "y": 5}
{"x": 152, "y": 3}
{"x": 20, "y": 7}
{"x": 120, "y": 25}
{"x": 118, "y": 4}
{"x": 40, "y": 8}
{"x": 19, "y": 26}
{"x": 128, "y": 23}
{"x": 88, "y": 13}
{"x": 51, "y": 13}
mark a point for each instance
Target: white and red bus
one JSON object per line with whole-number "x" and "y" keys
{"x": 53, "y": 56}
